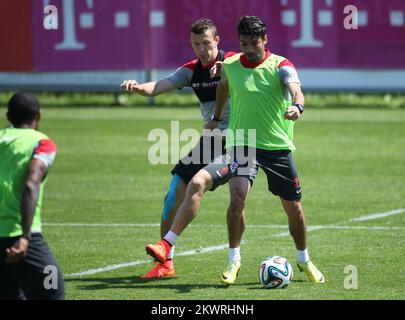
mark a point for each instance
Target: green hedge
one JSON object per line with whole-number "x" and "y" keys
{"x": 313, "y": 100}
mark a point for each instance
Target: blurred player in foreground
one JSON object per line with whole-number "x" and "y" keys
{"x": 28, "y": 270}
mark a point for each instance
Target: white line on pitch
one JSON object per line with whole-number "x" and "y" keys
{"x": 313, "y": 228}
{"x": 107, "y": 268}
{"x": 215, "y": 248}
{"x": 134, "y": 263}
{"x": 379, "y": 215}
{"x": 310, "y": 228}
{"x": 364, "y": 218}
{"x": 108, "y": 225}
{"x": 51, "y": 224}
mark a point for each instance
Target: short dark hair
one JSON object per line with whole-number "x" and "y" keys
{"x": 199, "y": 26}
{"x": 251, "y": 26}
{"x": 23, "y": 107}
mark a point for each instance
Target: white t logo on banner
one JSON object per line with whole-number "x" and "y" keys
{"x": 307, "y": 38}
{"x": 69, "y": 29}
{"x": 307, "y": 26}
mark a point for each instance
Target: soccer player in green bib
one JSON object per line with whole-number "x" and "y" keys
{"x": 266, "y": 99}
{"x": 28, "y": 270}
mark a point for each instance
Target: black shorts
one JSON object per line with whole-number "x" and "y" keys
{"x": 207, "y": 149}
{"x": 282, "y": 177}
{"x": 37, "y": 277}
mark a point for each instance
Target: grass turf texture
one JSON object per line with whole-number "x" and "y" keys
{"x": 351, "y": 164}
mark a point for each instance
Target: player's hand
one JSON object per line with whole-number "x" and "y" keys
{"x": 211, "y": 125}
{"x": 292, "y": 113}
{"x": 18, "y": 251}
{"x": 216, "y": 69}
{"x": 129, "y": 85}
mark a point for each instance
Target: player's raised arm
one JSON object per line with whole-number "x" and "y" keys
{"x": 148, "y": 89}
{"x": 222, "y": 96}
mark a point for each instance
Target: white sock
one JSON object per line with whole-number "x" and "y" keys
{"x": 171, "y": 237}
{"x": 234, "y": 253}
{"x": 302, "y": 256}
{"x": 171, "y": 253}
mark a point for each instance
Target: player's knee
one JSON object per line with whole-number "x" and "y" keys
{"x": 198, "y": 184}
{"x": 238, "y": 199}
{"x": 295, "y": 209}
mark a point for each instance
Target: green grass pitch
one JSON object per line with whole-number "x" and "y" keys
{"x": 103, "y": 202}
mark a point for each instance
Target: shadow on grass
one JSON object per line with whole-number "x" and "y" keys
{"x": 136, "y": 282}
{"x": 139, "y": 283}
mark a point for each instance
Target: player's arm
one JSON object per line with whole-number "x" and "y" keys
{"x": 29, "y": 199}
{"x": 36, "y": 173}
{"x": 43, "y": 157}
{"x": 148, "y": 89}
{"x": 293, "y": 112}
{"x": 289, "y": 77}
{"x": 222, "y": 96}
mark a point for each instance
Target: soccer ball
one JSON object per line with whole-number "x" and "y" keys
{"x": 275, "y": 272}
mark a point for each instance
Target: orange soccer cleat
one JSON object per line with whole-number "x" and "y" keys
{"x": 158, "y": 251}
{"x": 161, "y": 270}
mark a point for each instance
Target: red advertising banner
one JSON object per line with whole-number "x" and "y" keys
{"x": 16, "y": 53}
{"x": 107, "y": 35}
{"x": 311, "y": 33}
{"x": 92, "y": 35}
